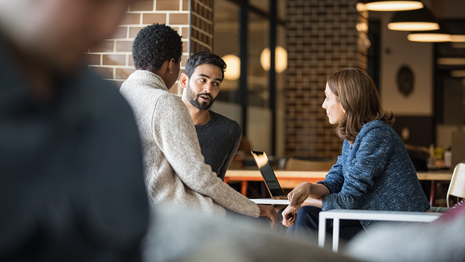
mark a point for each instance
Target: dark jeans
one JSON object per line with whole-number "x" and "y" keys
{"x": 306, "y": 225}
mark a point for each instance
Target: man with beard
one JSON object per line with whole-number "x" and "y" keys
{"x": 219, "y": 136}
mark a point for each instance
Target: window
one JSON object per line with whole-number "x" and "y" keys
{"x": 252, "y": 92}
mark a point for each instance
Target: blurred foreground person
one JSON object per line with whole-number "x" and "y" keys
{"x": 441, "y": 240}
{"x": 175, "y": 171}
{"x": 71, "y": 174}
{"x": 374, "y": 171}
{"x": 205, "y": 238}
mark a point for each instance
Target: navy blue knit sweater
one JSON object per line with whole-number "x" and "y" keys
{"x": 375, "y": 173}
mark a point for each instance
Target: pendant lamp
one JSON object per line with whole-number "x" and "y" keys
{"x": 458, "y": 38}
{"x": 451, "y": 61}
{"x": 386, "y": 5}
{"x": 441, "y": 35}
{"x": 414, "y": 20}
{"x": 457, "y": 73}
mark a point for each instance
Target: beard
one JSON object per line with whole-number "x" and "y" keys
{"x": 194, "y": 99}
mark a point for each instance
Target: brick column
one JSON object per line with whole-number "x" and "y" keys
{"x": 201, "y": 26}
{"x": 113, "y": 58}
{"x": 322, "y": 37}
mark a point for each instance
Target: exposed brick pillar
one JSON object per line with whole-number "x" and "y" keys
{"x": 201, "y": 26}
{"x": 113, "y": 58}
{"x": 321, "y": 37}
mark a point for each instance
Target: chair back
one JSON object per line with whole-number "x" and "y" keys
{"x": 457, "y": 183}
{"x": 309, "y": 165}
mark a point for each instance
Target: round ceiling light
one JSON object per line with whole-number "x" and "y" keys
{"x": 386, "y": 5}
{"x": 280, "y": 59}
{"x": 441, "y": 35}
{"x": 429, "y": 37}
{"x": 451, "y": 61}
{"x": 233, "y": 67}
{"x": 414, "y": 20}
{"x": 457, "y": 38}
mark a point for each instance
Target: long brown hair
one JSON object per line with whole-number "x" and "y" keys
{"x": 360, "y": 100}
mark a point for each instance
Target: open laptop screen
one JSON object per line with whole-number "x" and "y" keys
{"x": 268, "y": 174}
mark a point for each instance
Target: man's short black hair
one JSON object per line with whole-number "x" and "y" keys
{"x": 154, "y": 45}
{"x": 201, "y": 58}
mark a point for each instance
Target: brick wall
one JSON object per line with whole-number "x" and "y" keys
{"x": 322, "y": 37}
{"x": 201, "y": 26}
{"x": 113, "y": 58}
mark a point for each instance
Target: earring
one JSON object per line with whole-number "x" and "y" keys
{"x": 171, "y": 72}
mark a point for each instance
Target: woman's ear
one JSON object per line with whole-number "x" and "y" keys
{"x": 171, "y": 65}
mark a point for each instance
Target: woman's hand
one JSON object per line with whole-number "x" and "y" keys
{"x": 316, "y": 202}
{"x": 299, "y": 194}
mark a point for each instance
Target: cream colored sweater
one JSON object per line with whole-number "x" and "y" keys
{"x": 175, "y": 171}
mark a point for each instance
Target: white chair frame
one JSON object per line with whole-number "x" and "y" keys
{"x": 340, "y": 214}
{"x": 457, "y": 183}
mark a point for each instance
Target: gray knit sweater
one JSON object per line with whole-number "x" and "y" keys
{"x": 175, "y": 171}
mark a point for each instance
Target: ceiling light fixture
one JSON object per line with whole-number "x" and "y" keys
{"x": 451, "y": 61}
{"x": 414, "y": 20}
{"x": 233, "y": 67}
{"x": 441, "y": 35}
{"x": 280, "y": 59}
{"x": 386, "y": 5}
{"x": 457, "y": 73}
{"x": 457, "y": 38}
{"x": 429, "y": 37}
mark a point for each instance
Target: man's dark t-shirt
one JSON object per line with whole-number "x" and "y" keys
{"x": 219, "y": 140}
{"x": 71, "y": 172}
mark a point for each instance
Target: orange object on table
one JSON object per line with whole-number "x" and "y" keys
{"x": 286, "y": 178}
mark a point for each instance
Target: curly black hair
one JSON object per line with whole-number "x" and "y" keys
{"x": 201, "y": 58}
{"x": 154, "y": 45}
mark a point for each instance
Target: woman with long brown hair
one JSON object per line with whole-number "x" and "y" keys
{"x": 374, "y": 171}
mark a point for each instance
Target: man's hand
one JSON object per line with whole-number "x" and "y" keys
{"x": 289, "y": 215}
{"x": 270, "y": 214}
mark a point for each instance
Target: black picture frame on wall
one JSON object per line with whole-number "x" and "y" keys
{"x": 405, "y": 80}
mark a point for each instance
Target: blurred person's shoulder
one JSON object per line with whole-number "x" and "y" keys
{"x": 101, "y": 97}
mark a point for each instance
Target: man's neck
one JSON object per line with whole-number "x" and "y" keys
{"x": 199, "y": 117}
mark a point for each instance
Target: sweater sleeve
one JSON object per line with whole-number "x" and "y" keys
{"x": 371, "y": 158}
{"x": 335, "y": 179}
{"x": 175, "y": 134}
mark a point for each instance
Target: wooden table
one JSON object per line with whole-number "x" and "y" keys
{"x": 434, "y": 176}
{"x": 290, "y": 179}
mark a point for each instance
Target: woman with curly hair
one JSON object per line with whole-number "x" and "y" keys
{"x": 374, "y": 171}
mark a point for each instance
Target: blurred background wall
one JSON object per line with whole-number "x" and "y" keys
{"x": 280, "y": 53}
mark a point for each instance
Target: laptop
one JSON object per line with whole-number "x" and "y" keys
{"x": 271, "y": 182}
